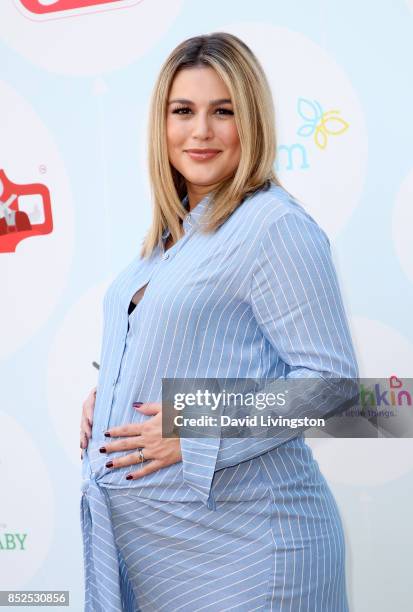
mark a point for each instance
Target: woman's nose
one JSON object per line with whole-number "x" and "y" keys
{"x": 202, "y": 126}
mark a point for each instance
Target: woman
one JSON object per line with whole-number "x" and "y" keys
{"x": 234, "y": 280}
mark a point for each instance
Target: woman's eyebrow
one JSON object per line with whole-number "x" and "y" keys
{"x": 211, "y": 102}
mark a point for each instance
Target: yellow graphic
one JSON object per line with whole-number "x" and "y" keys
{"x": 318, "y": 123}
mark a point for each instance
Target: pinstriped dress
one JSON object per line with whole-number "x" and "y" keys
{"x": 239, "y": 524}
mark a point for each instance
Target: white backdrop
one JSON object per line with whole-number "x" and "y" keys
{"x": 75, "y": 81}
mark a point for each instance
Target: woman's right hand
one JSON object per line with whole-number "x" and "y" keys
{"x": 86, "y": 420}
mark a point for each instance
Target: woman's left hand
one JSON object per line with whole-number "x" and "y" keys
{"x": 158, "y": 452}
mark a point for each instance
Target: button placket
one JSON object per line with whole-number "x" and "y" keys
{"x": 114, "y": 384}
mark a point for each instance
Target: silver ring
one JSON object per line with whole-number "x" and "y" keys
{"x": 141, "y": 456}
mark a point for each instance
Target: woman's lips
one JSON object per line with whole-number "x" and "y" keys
{"x": 202, "y": 156}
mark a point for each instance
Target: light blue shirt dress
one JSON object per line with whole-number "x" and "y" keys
{"x": 239, "y": 524}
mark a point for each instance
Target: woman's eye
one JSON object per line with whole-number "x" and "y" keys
{"x": 226, "y": 111}
{"x": 177, "y": 111}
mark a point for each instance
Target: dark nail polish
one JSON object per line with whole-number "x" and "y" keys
{"x": 107, "y": 434}
{"x": 109, "y": 464}
{"x": 102, "y": 449}
{"x": 129, "y": 477}
{"x": 136, "y": 404}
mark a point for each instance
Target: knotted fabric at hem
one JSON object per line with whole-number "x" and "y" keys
{"x": 107, "y": 586}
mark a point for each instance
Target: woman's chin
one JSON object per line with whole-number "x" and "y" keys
{"x": 202, "y": 178}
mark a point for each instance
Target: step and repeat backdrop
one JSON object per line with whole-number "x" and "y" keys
{"x": 75, "y": 83}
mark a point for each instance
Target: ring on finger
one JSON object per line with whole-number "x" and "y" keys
{"x": 141, "y": 456}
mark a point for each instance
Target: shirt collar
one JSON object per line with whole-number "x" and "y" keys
{"x": 194, "y": 217}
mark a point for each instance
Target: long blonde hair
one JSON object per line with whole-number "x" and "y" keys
{"x": 253, "y": 107}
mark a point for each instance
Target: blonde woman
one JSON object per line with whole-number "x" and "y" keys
{"x": 234, "y": 280}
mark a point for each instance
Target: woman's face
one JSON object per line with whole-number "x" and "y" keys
{"x": 200, "y": 116}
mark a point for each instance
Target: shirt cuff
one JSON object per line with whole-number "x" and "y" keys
{"x": 199, "y": 457}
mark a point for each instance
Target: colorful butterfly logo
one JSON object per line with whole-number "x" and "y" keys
{"x": 321, "y": 124}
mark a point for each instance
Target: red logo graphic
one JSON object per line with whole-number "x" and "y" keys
{"x": 25, "y": 211}
{"x": 40, "y": 7}
{"x": 395, "y": 382}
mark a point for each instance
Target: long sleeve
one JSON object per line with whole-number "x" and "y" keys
{"x": 296, "y": 301}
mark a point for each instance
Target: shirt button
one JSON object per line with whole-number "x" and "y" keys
{"x": 165, "y": 256}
